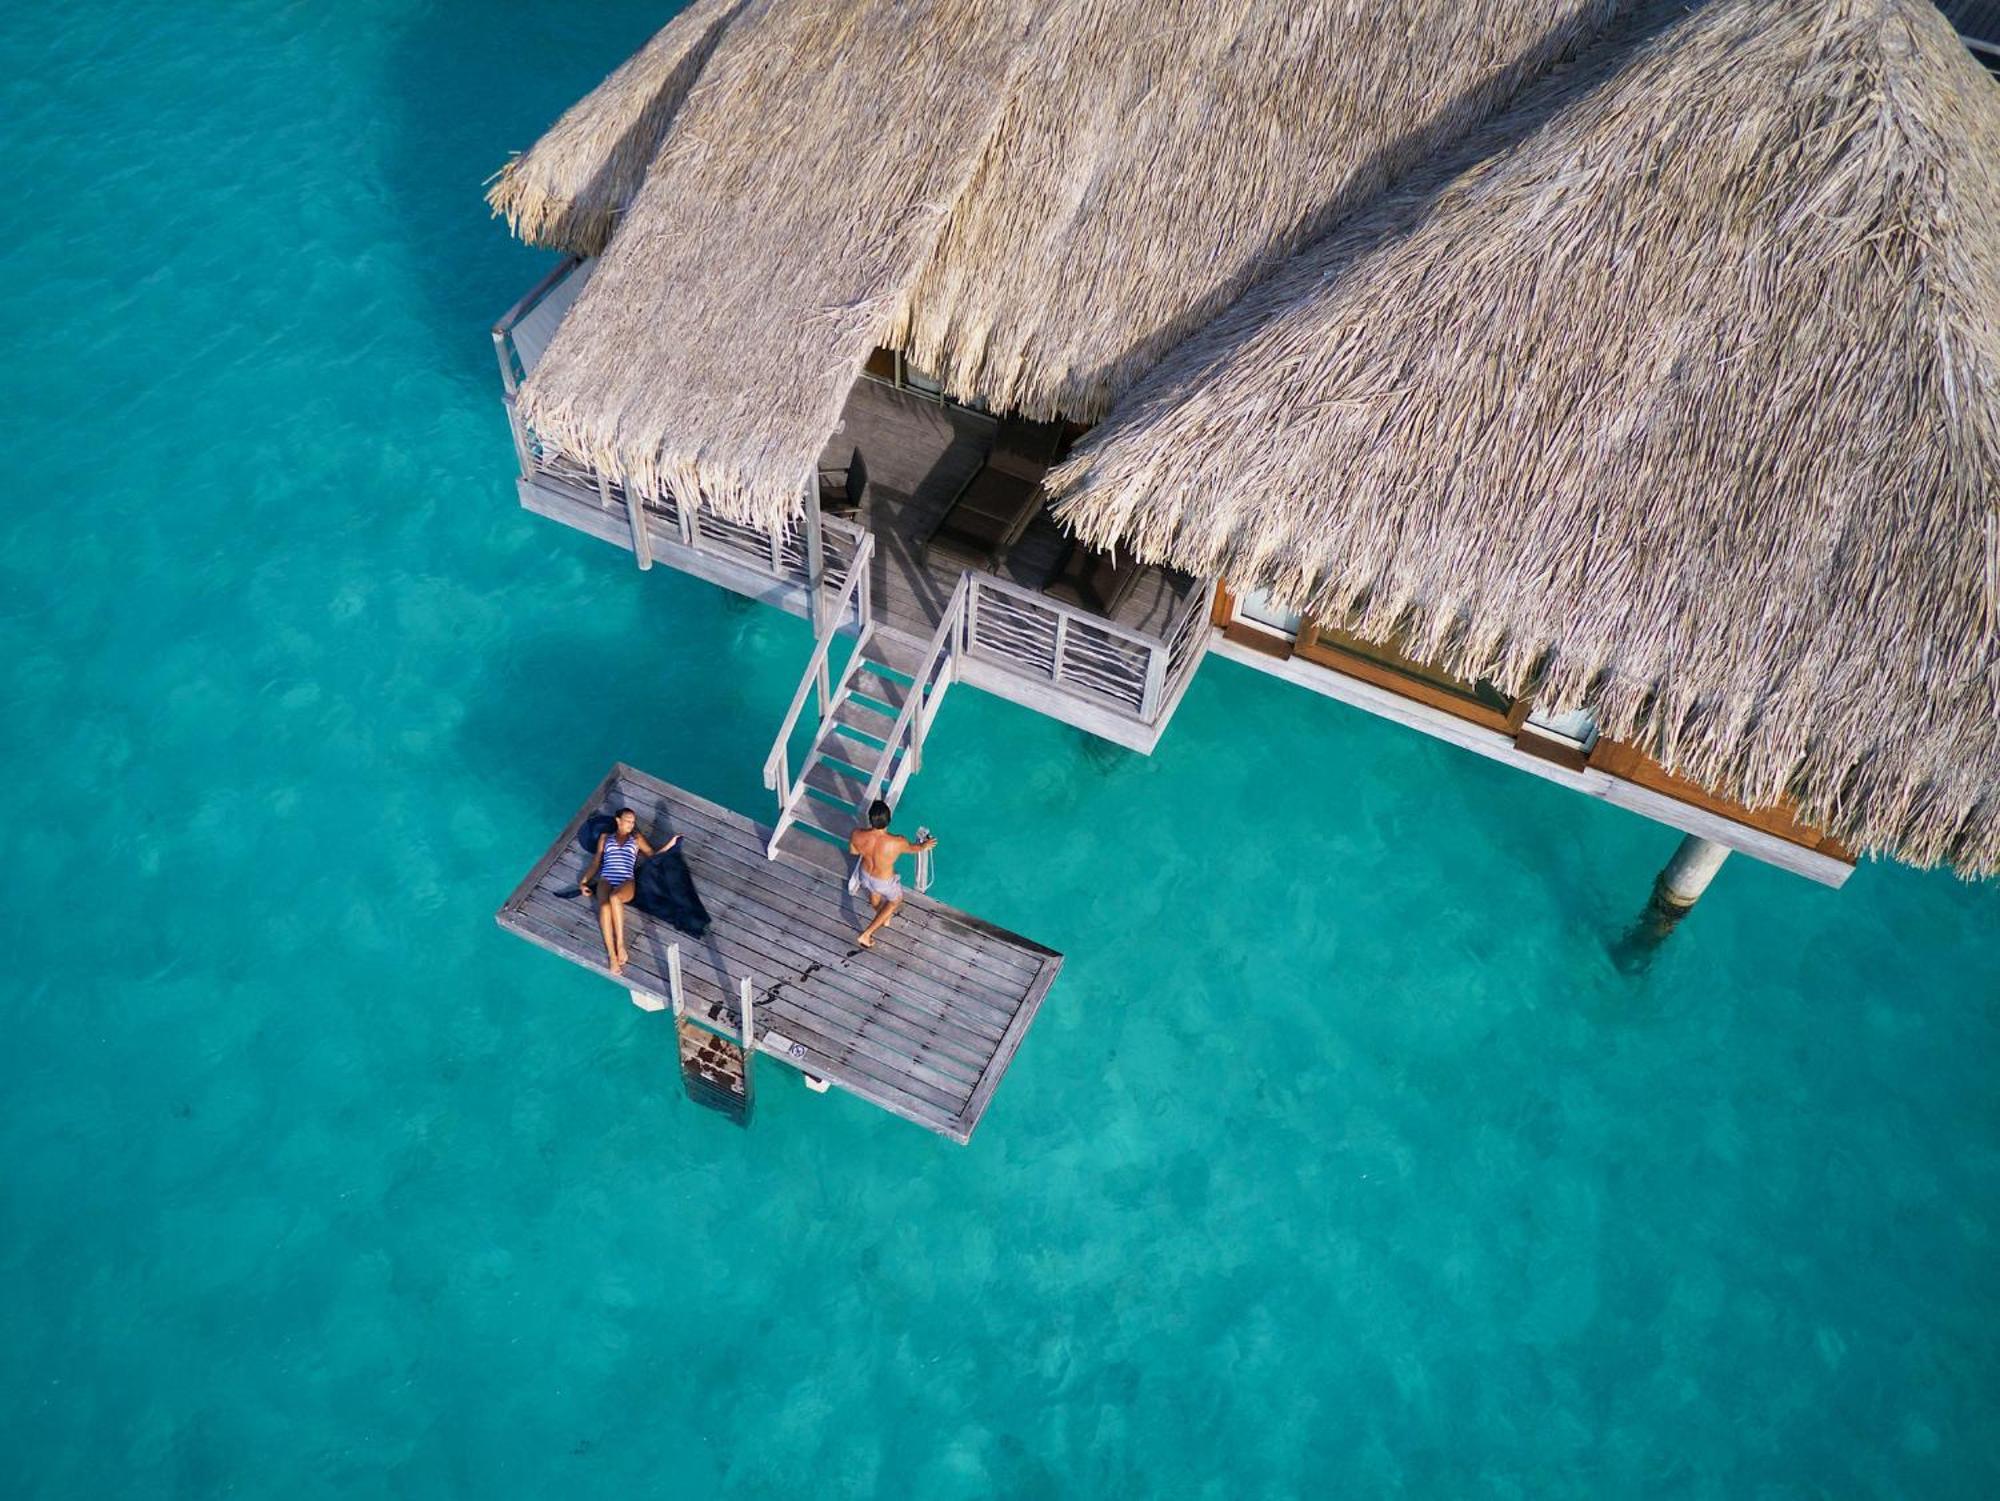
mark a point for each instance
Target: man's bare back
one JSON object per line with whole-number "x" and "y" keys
{"x": 879, "y": 850}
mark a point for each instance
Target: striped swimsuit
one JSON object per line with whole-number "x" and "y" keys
{"x": 620, "y": 858}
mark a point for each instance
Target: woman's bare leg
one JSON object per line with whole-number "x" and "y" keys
{"x": 604, "y": 926}
{"x": 617, "y": 903}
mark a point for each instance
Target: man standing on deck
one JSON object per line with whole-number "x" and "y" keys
{"x": 879, "y": 850}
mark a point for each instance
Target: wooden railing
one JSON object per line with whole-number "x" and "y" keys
{"x": 937, "y": 673}
{"x": 1080, "y": 653}
{"x": 921, "y": 704}
{"x": 780, "y": 553}
{"x": 855, "y": 601}
{"x": 1077, "y": 654}
{"x": 1187, "y": 641}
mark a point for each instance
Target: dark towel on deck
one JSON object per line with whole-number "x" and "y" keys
{"x": 594, "y": 828}
{"x": 666, "y": 891}
{"x": 664, "y": 886}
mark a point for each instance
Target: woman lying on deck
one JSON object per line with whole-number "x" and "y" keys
{"x": 619, "y": 851}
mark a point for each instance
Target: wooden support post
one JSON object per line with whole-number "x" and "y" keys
{"x": 1687, "y": 875}
{"x": 635, "y": 514}
{"x": 815, "y": 554}
{"x": 503, "y": 347}
{"x": 522, "y": 451}
{"x": 1675, "y": 892}
{"x": 923, "y": 861}
{"x": 1062, "y": 640}
{"x": 746, "y": 1003}
{"x": 816, "y": 584}
{"x": 678, "y": 995}
{"x": 1156, "y": 677}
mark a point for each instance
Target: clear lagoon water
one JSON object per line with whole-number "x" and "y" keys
{"x": 1341, "y": 1161}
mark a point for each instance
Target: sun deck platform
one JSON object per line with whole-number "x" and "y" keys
{"x": 924, "y": 1025}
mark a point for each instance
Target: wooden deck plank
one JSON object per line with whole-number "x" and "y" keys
{"x": 942, "y": 972}
{"x": 919, "y": 455}
{"x": 863, "y": 1012}
{"x": 923, "y": 1025}
{"x": 1015, "y": 955}
{"x": 1009, "y": 1045}
{"x": 846, "y": 1067}
{"x": 967, "y": 1019}
{"x": 771, "y": 961}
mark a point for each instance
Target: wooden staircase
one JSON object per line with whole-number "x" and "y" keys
{"x": 873, "y": 719}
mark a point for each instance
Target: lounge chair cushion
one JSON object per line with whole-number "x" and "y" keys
{"x": 1024, "y": 449}
{"x": 1095, "y": 581}
{"x": 989, "y": 514}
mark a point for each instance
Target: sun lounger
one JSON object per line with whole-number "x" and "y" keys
{"x": 1095, "y": 581}
{"x": 994, "y": 507}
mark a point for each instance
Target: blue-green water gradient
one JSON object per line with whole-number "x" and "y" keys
{"x": 1341, "y": 1161}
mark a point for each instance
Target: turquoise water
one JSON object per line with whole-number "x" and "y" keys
{"x": 1341, "y": 1161}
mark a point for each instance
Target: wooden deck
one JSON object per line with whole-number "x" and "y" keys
{"x": 923, "y": 1025}
{"x": 918, "y": 454}
{"x": 1118, "y": 675}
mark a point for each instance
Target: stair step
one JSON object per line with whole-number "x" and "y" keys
{"x": 835, "y": 781}
{"x": 835, "y": 823}
{"x": 873, "y": 682}
{"x": 870, "y": 721}
{"x": 887, "y": 651}
{"x": 809, "y": 844}
{"x": 856, "y": 752}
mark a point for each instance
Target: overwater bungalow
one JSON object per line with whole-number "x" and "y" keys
{"x": 1615, "y": 395}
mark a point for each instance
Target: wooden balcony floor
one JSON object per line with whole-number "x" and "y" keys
{"x": 924, "y": 1024}
{"x": 918, "y": 454}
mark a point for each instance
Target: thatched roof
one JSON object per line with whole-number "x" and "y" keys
{"x": 788, "y": 207}
{"x": 570, "y": 191}
{"x": 1159, "y": 155}
{"x": 1036, "y": 199}
{"x": 1676, "y": 393}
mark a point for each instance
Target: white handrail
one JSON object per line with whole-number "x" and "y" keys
{"x": 944, "y": 637}
{"x": 857, "y": 572}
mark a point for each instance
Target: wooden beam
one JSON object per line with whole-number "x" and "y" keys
{"x": 1498, "y": 745}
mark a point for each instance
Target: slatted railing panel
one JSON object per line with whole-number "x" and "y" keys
{"x": 1067, "y": 648}
{"x": 746, "y": 544}
{"x": 1189, "y": 638}
{"x": 1014, "y": 631}
{"x": 552, "y": 463}
{"x": 1096, "y": 661}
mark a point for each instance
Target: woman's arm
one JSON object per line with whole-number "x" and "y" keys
{"x": 590, "y": 870}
